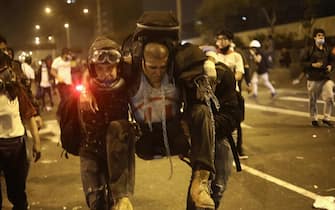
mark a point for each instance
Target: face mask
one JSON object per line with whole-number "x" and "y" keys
{"x": 320, "y": 41}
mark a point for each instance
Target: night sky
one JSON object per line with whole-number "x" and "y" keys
{"x": 18, "y": 17}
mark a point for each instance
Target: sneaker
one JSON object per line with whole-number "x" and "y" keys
{"x": 243, "y": 156}
{"x": 328, "y": 123}
{"x": 253, "y": 96}
{"x": 315, "y": 124}
{"x": 273, "y": 95}
{"x": 123, "y": 204}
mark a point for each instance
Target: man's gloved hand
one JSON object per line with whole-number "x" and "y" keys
{"x": 88, "y": 102}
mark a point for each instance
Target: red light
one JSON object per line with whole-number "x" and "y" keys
{"x": 80, "y": 88}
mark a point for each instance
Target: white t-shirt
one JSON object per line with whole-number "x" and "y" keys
{"x": 10, "y": 121}
{"x": 149, "y": 104}
{"x": 63, "y": 69}
{"x": 28, "y": 71}
{"x": 233, "y": 60}
{"x": 44, "y": 77}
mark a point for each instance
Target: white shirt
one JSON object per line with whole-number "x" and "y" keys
{"x": 10, "y": 121}
{"x": 28, "y": 71}
{"x": 149, "y": 104}
{"x": 44, "y": 77}
{"x": 233, "y": 60}
{"x": 63, "y": 69}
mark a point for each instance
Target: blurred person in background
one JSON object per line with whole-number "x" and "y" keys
{"x": 61, "y": 71}
{"x": 262, "y": 69}
{"x": 285, "y": 57}
{"x": 317, "y": 63}
{"x": 44, "y": 83}
{"x": 234, "y": 61}
{"x": 28, "y": 70}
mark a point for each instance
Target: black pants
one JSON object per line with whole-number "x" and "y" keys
{"x": 65, "y": 91}
{"x": 14, "y": 165}
{"x": 46, "y": 90}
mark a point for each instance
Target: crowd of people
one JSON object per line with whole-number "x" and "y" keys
{"x": 162, "y": 100}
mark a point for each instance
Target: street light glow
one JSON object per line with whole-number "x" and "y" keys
{"x": 70, "y": 1}
{"x": 66, "y": 25}
{"x": 37, "y": 40}
{"x": 47, "y": 10}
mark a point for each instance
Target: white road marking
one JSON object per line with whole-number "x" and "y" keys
{"x": 322, "y": 202}
{"x": 280, "y": 110}
{"x": 273, "y": 179}
{"x": 280, "y": 182}
{"x": 291, "y": 98}
{"x": 243, "y": 125}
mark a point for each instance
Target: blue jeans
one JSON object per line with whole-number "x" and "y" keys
{"x": 324, "y": 89}
{"x": 94, "y": 176}
{"x": 223, "y": 164}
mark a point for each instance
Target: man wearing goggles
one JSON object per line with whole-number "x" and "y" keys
{"x": 107, "y": 161}
{"x": 110, "y": 56}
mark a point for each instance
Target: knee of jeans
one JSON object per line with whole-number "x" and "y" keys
{"x": 114, "y": 129}
{"x": 119, "y": 131}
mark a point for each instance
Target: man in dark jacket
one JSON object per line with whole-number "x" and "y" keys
{"x": 107, "y": 159}
{"x": 316, "y": 61}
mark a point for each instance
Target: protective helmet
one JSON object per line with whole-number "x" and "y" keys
{"x": 103, "y": 51}
{"x": 255, "y": 43}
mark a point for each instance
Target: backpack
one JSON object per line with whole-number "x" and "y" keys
{"x": 155, "y": 24}
{"x": 160, "y": 26}
{"x": 268, "y": 60}
{"x": 71, "y": 127}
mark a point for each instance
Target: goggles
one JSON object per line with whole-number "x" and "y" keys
{"x": 105, "y": 56}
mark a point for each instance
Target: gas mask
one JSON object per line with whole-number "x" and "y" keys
{"x": 7, "y": 82}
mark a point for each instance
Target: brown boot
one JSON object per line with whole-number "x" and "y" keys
{"x": 123, "y": 204}
{"x": 199, "y": 190}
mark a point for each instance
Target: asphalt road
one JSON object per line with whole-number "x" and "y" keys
{"x": 290, "y": 164}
